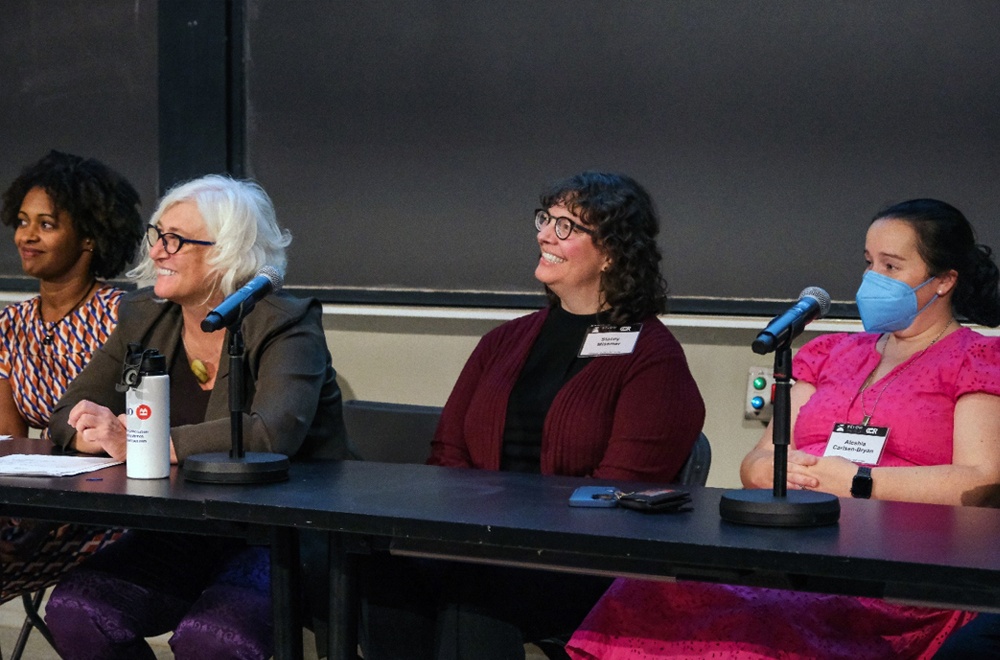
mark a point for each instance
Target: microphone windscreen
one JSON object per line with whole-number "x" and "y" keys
{"x": 273, "y": 276}
{"x": 821, "y": 296}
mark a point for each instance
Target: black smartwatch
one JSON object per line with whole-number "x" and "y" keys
{"x": 861, "y": 487}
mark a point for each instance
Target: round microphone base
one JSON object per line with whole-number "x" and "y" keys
{"x": 798, "y": 508}
{"x": 220, "y": 468}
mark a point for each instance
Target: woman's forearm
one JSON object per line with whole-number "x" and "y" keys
{"x": 11, "y": 422}
{"x": 757, "y": 468}
{"x": 936, "y": 484}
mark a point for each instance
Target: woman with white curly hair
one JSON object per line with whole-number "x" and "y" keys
{"x": 207, "y": 238}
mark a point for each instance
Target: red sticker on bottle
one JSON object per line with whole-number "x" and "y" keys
{"x": 143, "y": 412}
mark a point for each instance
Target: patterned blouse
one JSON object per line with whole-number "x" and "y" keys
{"x": 40, "y": 359}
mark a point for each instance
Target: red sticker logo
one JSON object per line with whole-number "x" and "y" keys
{"x": 143, "y": 412}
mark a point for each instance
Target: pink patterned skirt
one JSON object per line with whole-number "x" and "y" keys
{"x": 639, "y": 619}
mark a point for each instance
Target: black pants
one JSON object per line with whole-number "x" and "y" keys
{"x": 978, "y": 639}
{"x": 435, "y": 610}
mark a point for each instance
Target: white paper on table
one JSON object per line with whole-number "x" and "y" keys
{"x": 42, "y": 465}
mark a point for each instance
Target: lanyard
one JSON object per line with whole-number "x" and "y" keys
{"x": 864, "y": 387}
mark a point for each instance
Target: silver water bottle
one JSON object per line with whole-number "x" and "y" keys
{"x": 147, "y": 404}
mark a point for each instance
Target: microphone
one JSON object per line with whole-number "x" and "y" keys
{"x": 235, "y": 307}
{"x": 814, "y": 303}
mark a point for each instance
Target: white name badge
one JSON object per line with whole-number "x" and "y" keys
{"x": 602, "y": 340}
{"x": 857, "y": 443}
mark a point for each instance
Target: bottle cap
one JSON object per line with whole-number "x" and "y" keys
{"x": 153, "y": 363}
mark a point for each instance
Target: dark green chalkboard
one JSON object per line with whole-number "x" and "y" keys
{"x": 405, "y": 143}
{"x": 78, "y": 77}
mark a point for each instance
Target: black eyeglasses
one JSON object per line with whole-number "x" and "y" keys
{"x": 563, "y": 226}
{"x": 171, "y": 242}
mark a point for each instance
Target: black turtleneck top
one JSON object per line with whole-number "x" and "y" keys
{"x": 550, "y": 364}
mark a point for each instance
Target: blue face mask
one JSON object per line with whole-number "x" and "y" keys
{"x": 887, "y": 305}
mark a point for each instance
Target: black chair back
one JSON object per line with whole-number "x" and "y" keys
{"x": 695, "y": 469}
{"x": 391, "y": 432}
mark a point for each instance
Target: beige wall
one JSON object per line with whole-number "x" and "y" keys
{"x": 413, "y": 355}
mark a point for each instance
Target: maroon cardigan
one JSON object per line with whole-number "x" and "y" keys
{"x": 630, "y": 417}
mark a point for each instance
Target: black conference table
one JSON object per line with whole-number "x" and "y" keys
{"x": 922, "y": 554}
{"x": 107, "y": 497}
{"x": 914, "y": 553}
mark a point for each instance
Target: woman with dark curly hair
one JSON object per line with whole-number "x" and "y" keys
{"x": 74, "y": 221}
{"x": 594, "y": 385}
{"x": 624, "y": 222}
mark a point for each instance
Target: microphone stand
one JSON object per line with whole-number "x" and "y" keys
{"x": 238, "y": 466}
{"x": 777, "y": 507}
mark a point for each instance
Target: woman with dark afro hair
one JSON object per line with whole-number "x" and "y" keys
{"x": 75, "y": 222}
{"x": 593, "y": 385}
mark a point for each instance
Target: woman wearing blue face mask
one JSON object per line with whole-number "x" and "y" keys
{"x": 927, "y": 392}
{"x": 924, "y": 270}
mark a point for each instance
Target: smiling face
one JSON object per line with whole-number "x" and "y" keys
{"x": 571, "y": 268}
{"x": 184, "y": 277}
{"x": 49, "y": 245}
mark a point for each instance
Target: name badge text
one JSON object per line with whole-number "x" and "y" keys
{"x": 857, "y": 443}
{"x": 602, "y": 340}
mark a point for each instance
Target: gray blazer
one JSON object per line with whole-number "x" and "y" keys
{"x": 293, "y": 402}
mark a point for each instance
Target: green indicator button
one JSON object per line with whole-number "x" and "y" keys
{"x": 759, "y": 383}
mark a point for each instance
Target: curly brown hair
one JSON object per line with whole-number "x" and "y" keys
{"x": 625, "y": 225}
{"x": 101, "y": 204}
